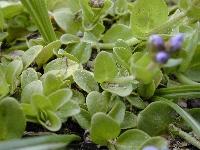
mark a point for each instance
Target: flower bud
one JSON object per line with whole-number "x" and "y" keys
{"x": 162, "y": 57}
{"x": 176, "y": 42}
{"x": 156, "y": 41}
{"x": 150, "y": 148}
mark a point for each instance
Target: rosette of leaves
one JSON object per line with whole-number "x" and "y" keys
{"x": 51, "y": 110}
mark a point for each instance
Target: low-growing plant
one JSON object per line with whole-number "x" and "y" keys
{"x": 117, "y": 68}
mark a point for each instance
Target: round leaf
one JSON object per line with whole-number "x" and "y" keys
{"x": 12, "y": 119}
{"x": 85, "y": 80}
{"x": 104, "y": 67}
{"x": 103, "y": 128}
{"x": 155, "y": 118}
{"x": 131, "y": 139}
{"x": 96, "y": 102}
{"x": 30, "y": 89}
{"x": 148, "y": 15}
{"x": 50, "y": 84}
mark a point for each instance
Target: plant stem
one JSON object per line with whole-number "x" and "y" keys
{"x": 111, "y": 146}
{"x": 187, "y": 137}
{"x": 183, "y": 79}
{"x": 169, "y": 23}
{"x": 121, "y": 79}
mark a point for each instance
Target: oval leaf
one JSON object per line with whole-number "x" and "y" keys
{"x": 12, "y": 119}
{"x": 85, "y": 80}
{"x": 59, "y": 98}
{"x": 148, "y": 15}
{"x": 96, "y": 102}
{"x": 103, "y": 128}
{"x": 104, "y": 67}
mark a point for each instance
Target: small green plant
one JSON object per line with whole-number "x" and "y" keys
{"x": 116, "y": 68}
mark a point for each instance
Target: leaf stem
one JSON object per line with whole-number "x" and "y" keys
{"x": 187, "y": 137}
{"x": 107, "y": 46}
{"x": 183, "y": 79}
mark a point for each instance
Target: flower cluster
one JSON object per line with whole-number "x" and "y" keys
{"x": 162, "y": 50}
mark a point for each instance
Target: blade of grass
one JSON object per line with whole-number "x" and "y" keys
{"x": 38, "y": 11}
{"x": 184, "y": 91}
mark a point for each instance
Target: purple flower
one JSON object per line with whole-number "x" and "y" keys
{"x": 150, "y": 148}
{"x": 156, "y": 41}
{"x": 176, "y": 42}
{"x": 162, "y": 57}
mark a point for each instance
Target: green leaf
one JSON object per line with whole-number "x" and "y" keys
{"x": 70, "y": 108}
{"x": 83, "y": 118}
{"x": 61, "y": 66}
{"x": 121, "y": 7}
{"x": 69, "y": 56}
{"x": 29, "y": 75}
{"x": 30, "y": 89}
{"x": 50, "y": 84}
{"x": 195, "y": 113}
{"x": 47, "y": 52}
{"x": 13, "y": 71}
{"x": 122, "y": 56}
{"x": 41, "y": 142}
{"x": 11, "y": 10}
{"x": 29, "y": 56}
{"x": 12, "y": 119}
{"x": 51, "y": 121}
{"x": 123, "y": 44}
{"x": 118, "y": 31}
{"x": 4, "y": 89}
{"x": 2, "y": 23}
{"x": 65, "y": 20}
{"x": 104, "y": 67}
{"x": 130, "y": 120}
{"x": 189, "y": 45}
{"x": 40, "y": 103}
{"x": 30, "y": 114}
{"x": 69, "y": 39}
{"x": 136, "y": 101}
{"x": 155, "y": 118}
{"x": 96, "y": 102}
{"x": 59, "y": 98}
{"x": 103, "y": 128}
{"x": 118, "y": 112}
{"x": 131, "y": 140}
{"x": 148, "y": 15}
{"x": 158, "y": 142}
{"x": 3, "y": 35}
{"x": 78, "y": 97}
{"x": 56, "y": 64}
{"x": 85, "y": 80}
{"x": 82, "y": 52}
{"x": 146, "y": 90}
{"x": 122, "y": 89}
